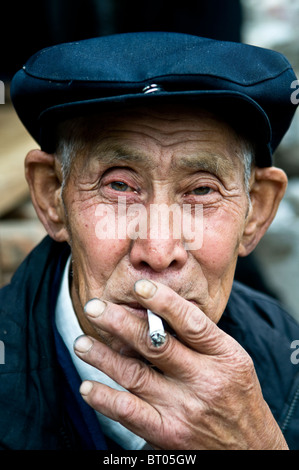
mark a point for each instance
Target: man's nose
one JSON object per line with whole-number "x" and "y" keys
{"x": 158, "y": 254}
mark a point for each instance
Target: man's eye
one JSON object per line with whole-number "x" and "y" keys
{"x": 120, "y": 186}
{"x": 202, "y": 191}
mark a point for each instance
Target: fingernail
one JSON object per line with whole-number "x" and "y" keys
{"x": 86, "y": 387}
{"x": 94, "y": 307}
{"x": 145, "y": 289}
{"x": 83, "y": 344}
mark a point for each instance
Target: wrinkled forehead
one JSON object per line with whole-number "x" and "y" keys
{"x": 164, "y": 123}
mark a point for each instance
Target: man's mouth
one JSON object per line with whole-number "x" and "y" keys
{"x": 141, "y": 312}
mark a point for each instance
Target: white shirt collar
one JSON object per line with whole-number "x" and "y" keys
{"x": 69, "y": 329}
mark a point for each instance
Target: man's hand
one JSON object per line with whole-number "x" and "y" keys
{"x": 202, "y": 393}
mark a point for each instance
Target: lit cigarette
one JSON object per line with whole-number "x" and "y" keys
{"x": 156, "y": 329}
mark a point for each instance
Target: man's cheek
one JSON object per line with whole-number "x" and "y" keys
{"x": 94, "y": 251}
{"x": 108, "y": 253}
{"x": 219, "y": 246}
{"x": 96, "y": 268}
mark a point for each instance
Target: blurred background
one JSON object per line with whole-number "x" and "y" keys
{"x": 26, "y": 27}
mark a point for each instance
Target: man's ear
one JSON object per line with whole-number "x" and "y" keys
{"x": 44, "y": 180}
{"x": 267, "y": 189}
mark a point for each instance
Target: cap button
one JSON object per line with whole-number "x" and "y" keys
{"x": 152, "y": 88}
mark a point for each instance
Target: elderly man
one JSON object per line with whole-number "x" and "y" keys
{"x": 127, "y": 124}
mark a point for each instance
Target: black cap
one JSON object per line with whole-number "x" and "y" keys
{"x": 248, "y": 85}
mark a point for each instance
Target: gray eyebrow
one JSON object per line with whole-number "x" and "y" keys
{"x": 109, "y": 154}
{"x": 209, "y": 162}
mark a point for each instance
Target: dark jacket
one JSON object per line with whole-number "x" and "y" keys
{"x": 40, "y": 406}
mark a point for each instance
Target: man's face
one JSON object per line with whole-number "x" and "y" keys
{"x": 150, "y": 158}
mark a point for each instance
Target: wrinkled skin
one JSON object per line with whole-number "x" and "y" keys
{"x": 208, "y": 395}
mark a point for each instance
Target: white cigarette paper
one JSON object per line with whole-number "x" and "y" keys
{"x": 156, "y": 329}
